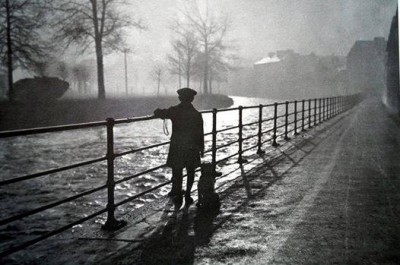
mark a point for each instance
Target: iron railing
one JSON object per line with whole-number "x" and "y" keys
{"x": 319, "y": 110}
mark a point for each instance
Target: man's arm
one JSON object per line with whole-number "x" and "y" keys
{"x": 163, "y": 113}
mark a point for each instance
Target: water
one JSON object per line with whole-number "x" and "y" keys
{"x": 21, "y": 156}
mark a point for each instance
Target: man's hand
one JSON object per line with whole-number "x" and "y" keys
{"x": 157, "y": 113}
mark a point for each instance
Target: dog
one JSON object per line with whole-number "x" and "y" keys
{"x": 208, "y": 198}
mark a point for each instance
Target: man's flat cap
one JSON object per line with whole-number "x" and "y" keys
{"x": 186, "y": 92}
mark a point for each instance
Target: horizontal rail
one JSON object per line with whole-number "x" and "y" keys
{"x": 250, "y": 107}
{"x": 140, "y": 149}
{"x": 226, "y": 145}
{"x": 269, "y": 119}
{"x": 226, "y": 158}
{"x": 227, "y": 129}
{"x": 251, "y": 123}
{"x": 51, "y": 205}
{"x": 227, "y": 109}
{"x": 266, "y": 141}
{"x": 267, "y": 131}
{"x": 248, "y": 149}
{"x": 208, "y": 151}
{"x": 206, "y": 111}
{"x": 50, "y": 234}
{"x": 40, "y": 130}
{"x": 51, "y": 171}
{"x": 281, "y": 116}
{"x": 134, "y": 119}
{"x": 142, "y": 193}
{"x": 140, "y": 174}
{"x": 281, "y": 126}
{"x": 249, "y": 137}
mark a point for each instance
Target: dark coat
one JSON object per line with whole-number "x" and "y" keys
{"x": 187, "y": 140}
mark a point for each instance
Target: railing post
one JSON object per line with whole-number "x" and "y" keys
{"x": 260, "y": 118}
{"x": 274, "y": 143}
{"x": 342, "y": 104}
{"x": 328, "y": 111}
{"x": 295, "y": 118}
{"x": 241, "y": 160}
{"x": 323, "y": 108}
{"x": 309, "y": 114}
{"x": 111, "y": 223}
{"x": 214, "y": 140}
{"x": 315, "y": 112}
{"x": 286, "y": 120}
{"x": 302, "y": 115}
{"x": 334, "y": 107}
{"x": 320, "y": 109}
{"x": 338, "y": 105}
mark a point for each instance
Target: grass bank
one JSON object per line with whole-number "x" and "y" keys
{"x": 69, "y": 111}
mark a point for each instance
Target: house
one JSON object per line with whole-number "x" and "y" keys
{"x": 366, "y": 65}
{"x": 392, "y": 67}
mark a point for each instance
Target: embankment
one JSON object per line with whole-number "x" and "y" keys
{"x": 69, "y": 111}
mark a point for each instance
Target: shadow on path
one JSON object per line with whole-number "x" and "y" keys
{"x": 177, "y": 235}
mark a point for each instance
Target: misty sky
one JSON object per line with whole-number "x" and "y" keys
{"x": 261, "y": 26}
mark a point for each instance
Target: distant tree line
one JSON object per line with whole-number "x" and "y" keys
{"x": 199, "y": 52}
{"x": 34, "y": 30}
{"x": 35, "y": 33}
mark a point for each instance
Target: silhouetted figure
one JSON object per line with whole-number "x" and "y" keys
{"x": 187, "y": 143}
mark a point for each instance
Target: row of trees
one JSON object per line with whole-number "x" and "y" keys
{"x": 199, "y": 51}
{"x": 35, "y": 30}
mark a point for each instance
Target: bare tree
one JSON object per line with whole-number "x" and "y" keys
{"x": 175, "y": 63}
{"x": 40, "y": 67}
{"x": 97, "y": 23}
{"x": 21, "y": 28}
{"x": 220, "y": 64}
{"x": 185, "y": 49}
{"x": 62, "y": 70}
{"x": 81, "y": 76}
{"x": 210, "y": 31}
{"x": 157, "y": 75}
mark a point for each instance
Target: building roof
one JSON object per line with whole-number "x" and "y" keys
{"x": 268, "y": 60}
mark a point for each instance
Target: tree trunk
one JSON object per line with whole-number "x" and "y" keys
{"x": 179, "y": 71}
{"x": 99, "y": 52}
{"x": 9, "y": 55}
{"x": 200, "y": 84}
{"x": 188, "y": 64}
{"x": 209, "y": 85}
{"x": 205, "y": 78}
{"x": 100, "y": 70}
{"x": 126, "y": 73}
{"x": 158, "y": 87}
{"x": 188, "y": 78}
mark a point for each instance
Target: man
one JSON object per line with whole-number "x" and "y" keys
{"x": 187, "y": 143}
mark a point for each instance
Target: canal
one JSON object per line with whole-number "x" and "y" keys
{"x": 29, "y": 154}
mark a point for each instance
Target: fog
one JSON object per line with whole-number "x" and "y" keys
{"x": 261, "y": 26}
{"x": 255, "y": 29}
{"x": 258, "y": 27}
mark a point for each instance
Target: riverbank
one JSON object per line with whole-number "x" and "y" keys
{"x": 21, "y": 116}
